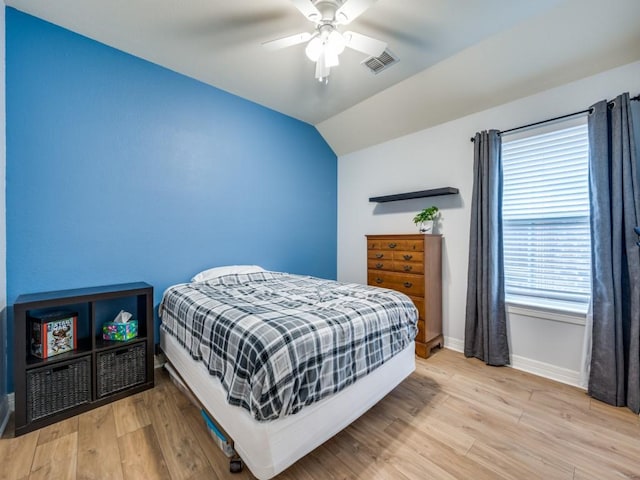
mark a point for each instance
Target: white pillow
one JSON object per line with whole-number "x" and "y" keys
{"x": 220, "y": 271}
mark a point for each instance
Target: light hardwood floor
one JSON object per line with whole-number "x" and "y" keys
{"x": 454, "y": 418}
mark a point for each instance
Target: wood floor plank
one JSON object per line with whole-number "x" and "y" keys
{"x": 410, "y": 465}
{"x": 433, "y": 428}
{"x": 415, "y": 397}
{"x": 359, "y": 459}
{"x": 586, "y": 422}
{"x": 621, "y": 414}
{"x": 206, "y": 474}
{"x": 497, "y": 400}
{"x": 218, "y": 462}
{"x": 589, "y": 414}
{"x": 57, "y": 430}
{"x": 511, "y": 462}
{"x": 295, "y": 472}
{"x": 141, "y": 455}
{"x": 508, "y": 378}
{"x": 97, "y": 439}
{"x": 574, "y": 401}
{"x": 454, "y": 462}
{"x": 496, "y": 433}
{"x": 182, "y": 453}
{"x": 596, "y": 471}
{"x": 453, "y": 418}
{"x": 56, "y": 459}
{"x": 586, "y": 445}
{"x": 470, "y": 374}
{"x": 181, "y": 394}
{"x": 395, "y": 452}
{"x": 327, "y": 466}
{"x": 131, "y": 414}
{"x": 16, "y": 455}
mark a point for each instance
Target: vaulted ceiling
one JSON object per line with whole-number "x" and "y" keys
{"x": 455, "y": 57}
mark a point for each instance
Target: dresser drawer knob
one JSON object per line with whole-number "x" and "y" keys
{"x": 408, "y": 284}
{"x": 393, "y": 245}
{"x": 379, "y": 255}
{"x": 379, "y": 280}
{"x": 408, "y": 257}
{"x": 408, "y": 268}
{"x": 379, "y": 265}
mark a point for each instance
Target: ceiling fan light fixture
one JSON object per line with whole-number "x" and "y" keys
{"x": 331, "y": 58}
{"x": 314, "y": 49}
{"x": 324, "y": 50}
{"x": 326, "y": 44}
{"x": 322, "y": 69}
{"x": 336, "y": 42}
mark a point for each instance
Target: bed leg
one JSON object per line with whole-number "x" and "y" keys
{"x": 235, "y": 464}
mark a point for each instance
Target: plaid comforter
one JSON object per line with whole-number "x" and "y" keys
{"x": 278, "y": 342}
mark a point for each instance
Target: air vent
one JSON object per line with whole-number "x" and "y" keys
{"x": 378, "y": 64}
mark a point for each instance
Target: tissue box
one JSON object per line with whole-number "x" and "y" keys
{"x": 53, "y": 333}
{"x": 120, "y": 331}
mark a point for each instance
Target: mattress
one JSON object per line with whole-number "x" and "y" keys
{"x": 280, "y": 342}
{"x": 268, "y": 448}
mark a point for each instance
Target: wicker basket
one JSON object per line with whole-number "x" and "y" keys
{"x": 121, "y": 368}
{"x": 58, "y": 387}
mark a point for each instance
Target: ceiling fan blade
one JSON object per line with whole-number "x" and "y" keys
{"x": 285, "y": 42}
{"x": 308, "y": 9}
{"x": 351, "y": 10}
{"x": 364, "y": 44}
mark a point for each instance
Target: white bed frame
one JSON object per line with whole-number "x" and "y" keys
{"x": 268, "y": 448}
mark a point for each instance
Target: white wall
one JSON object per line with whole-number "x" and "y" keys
{"x": 4, "y": 409}
{"x": 443, "y": 156}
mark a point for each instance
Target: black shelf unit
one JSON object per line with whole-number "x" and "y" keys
{"x": 95, "y": 305}
{"x": 434, "y": 192}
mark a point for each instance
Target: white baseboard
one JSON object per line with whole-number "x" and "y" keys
{"x": 5, "y": 411}
{"x": 159, "y": 360}
{"x": 454, "y": 344}
{"x": 536, "y": 367}
{"x": 546, "y": 370}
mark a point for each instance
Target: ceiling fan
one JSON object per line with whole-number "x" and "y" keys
{"x": 326, "y": 43}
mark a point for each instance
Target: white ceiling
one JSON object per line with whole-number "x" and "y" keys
{"x": 456, "y": 57}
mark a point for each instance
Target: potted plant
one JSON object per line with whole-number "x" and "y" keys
{"x": 424, "y": 219}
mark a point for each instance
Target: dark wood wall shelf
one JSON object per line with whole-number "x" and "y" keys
{"x": 97, "y": 372}
{"x": 434, "y": 192}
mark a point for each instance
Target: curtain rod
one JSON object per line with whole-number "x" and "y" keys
{"x": 588, "y": 110}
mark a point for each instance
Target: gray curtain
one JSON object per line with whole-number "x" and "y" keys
{"x": 485, "y": 335}
{"x": 615, "y": 211}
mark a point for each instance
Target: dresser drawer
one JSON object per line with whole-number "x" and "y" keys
{"x": 389, "y": 266}
{"x": 396, "y": 245}
{"x": 407, "y": 256}
{"x": 396, "y": 256}
{"x": 374, "y": 264}
{"x": 379, "y": 255}
{"x": 407, "y": 267}
{"x": 408, "y": 284}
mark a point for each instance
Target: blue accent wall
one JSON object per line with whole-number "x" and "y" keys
{"x": 120, "y": 170}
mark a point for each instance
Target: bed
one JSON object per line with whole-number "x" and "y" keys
{"x": 283, "y": 362}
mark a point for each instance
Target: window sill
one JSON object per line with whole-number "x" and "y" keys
{"x": 548, "y": 310}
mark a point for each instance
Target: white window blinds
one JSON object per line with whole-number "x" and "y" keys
{"x": 547, "y": 243}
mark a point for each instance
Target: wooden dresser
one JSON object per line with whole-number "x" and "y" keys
{"x": 411, "y": 264}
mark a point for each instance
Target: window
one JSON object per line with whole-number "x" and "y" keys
{"x": 547, "y": 242}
